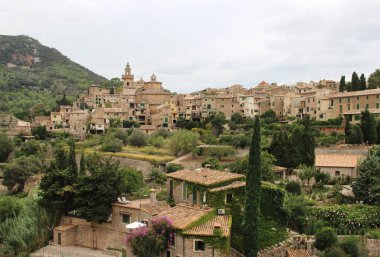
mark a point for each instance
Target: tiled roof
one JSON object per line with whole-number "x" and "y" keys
{"x": 297, "y": 253}
{"x": 359, "y": 111}
{"x": 204, "y": 176}
{"x": 145, "y": 205}
{"x": 207, "y": 229}
{"x": 183, "y": 215}
{"x": 233, "y": 185}
{"x": 357, "y": 93}
{"x": 337, "y": 160}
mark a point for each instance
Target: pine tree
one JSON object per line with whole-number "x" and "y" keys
{"x": 82, "y": 166}
{"x": 355, "y": 82}
{"x": 347, "y": 130}
{"x": 73, "y": 167}
{"x": 253, "y": 195}
{"x": 368, "y": 127}
{"x": 342, "y": 84}
{"x": 362, "y": 83}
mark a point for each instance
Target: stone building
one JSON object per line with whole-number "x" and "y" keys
{"x": 338, "y": 165}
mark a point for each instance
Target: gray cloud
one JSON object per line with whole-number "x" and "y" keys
{"x": 194, "y": 44}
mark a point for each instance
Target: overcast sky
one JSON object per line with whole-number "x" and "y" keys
{"x": 195, "y": 44}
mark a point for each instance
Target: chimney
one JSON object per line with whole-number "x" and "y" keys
{"x": 153, "y": 196}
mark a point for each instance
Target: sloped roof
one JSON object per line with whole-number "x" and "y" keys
{"x": 207, "y": 229}
{"x": 183, "y": 215}
{"x": 297, "y": 253}
{"x": 204, "y": 176}
{"x": 356, "y": 93}
{"x": 233, "y": 185}
{"x": 337, "y": 160}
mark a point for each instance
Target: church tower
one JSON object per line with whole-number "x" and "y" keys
{"x": 128, "y": 76}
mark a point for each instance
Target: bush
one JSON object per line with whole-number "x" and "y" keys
{"x": 325, "y": 238}
{"x": 137, "y": 138}
{"x": 109, "y": 145}
{"x": 157, "y": 141}
{"x": 353, "y": 247}
{"x": 157, "y": 177}
{"x": 6, "y": 147}
{"x": 334, "y": 252}
{"x": 214, "y": 164}
{"x": 183, "y": 142}
{"x": 173, "y": 168}
{"x": 293, "y": 187}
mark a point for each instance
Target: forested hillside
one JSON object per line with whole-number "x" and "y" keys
{"x": 32, "y": 73}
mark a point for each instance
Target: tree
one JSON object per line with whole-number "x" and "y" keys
{"x": 307, "y": 144}
{"x": 217, "y": 122}
{"x": 60, "y": 157}
{"x": 95, "y": 194}
{"x": 362, "y": 82}
{"x": 253, "y": 195}
{"x": 16, "y": 172}
{"x": 378, "y": 133}
{"x": 347, "y": 130}
{"x": 64, "y": 100}
{"x": 137, "y": 138}
{"x": 354, "y": 247}
{"x": 28, "y": 148}
{"x": 213, "y": 164}
{"x": 306, "y": 173}
{"x": 82, "y": 165}
{"x": 355, "y": 82}
{"x": 368, "y": 126}
{"x": 72, "y": 162}
{"x": 342, "y": 84}
{"x": 334, "y": 252}
{"x": 183, "y": 142}
{"x": 355, "y": 136}
{"x": 269, "y": 116}
{"x": 237, "y": 118}
{"x": 374, "y": 79}
{"x": 132, "y": 180}
{"x": 6, "y": 147}
{"x": 366, "y": 187}
{"x": 325, "y": 238}
{"x": 40, "y": 132}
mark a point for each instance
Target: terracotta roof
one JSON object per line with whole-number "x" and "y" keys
{"x": 297, "y": 253}
{"x": 233, "y": 185}
{"x": 357, "y": 93}
{"x": 207, "y": 229}
{"x": 204, "y": 176}
{"x": 337, "y": 160}
{"x": 183, "y": 215}
{"x": 145, "y": 205}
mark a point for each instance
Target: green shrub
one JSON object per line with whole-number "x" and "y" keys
{"x": 109, "y": 145}
{"x": 325, "y": 238}
{"x": 354, "y": 247}
{"x": 293, "y": 187}
{"x": 334, "y": 252}
{"x": 157, "y": 141}
{"x": 137, "y": 138}
{"x": 214, "y": 164}
{"x": 373, "y": 234}
{"x": 157, "y": 177}
{"x": 173, "y": 168}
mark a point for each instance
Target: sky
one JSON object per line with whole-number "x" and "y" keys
{"x": 191, "y": 45}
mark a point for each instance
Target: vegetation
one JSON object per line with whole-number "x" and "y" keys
{"x": 183, "y": 142}
{"x": 253, "y": 196}
{"x": 293, "y": 187}
{"x": 6, "y": 147}
{"x": 325, "y": 238}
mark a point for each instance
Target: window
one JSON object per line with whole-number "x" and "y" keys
{"x": 357, "y": 117}
{"x": 194, "y": 195}
{"x": 337, "y": 173}
{"x": 348, "y": 99}
{"x": 348, "y": 107}
{"x": 357, "y": 106}
{"x": 367, "y": 106}
{"x": 126, "y": 218}
{"x": 357, "y": 98}
{"x": 184, "y": 191}
{"x": 199, "y": 246}
{"x": 171, "y": 188}
{"x": 340, "y": 100}
{"x": 377, "y": 105}
{"x": 340, "y": 109}
{"x": 229, "y": 198}
{"x": 168, "y": 253}
{"x": 367, "y": 97}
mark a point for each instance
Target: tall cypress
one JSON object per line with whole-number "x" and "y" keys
{"x": 362, "y": 83}
{"x": 308, "y": 144}
{"x": 82, "y": 165}
{"x": 253, "y": 195}
{"x": 72, "y": 160}
{"x": 355, "y": 82}
{"x": 368, "y": 127}
{"x": 342, "y": 84}
{"x": 347, "y": 131}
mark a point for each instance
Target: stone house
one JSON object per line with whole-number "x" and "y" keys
{"x": 338, "y": 165}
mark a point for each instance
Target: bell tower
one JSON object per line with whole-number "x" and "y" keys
{"x": 128, "y": 76}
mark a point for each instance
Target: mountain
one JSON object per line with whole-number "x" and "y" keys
{"x": 32, "y": 73}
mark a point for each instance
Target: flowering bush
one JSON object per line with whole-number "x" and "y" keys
{"x": 348, "y": 217}
{"x": 153, "y": 240}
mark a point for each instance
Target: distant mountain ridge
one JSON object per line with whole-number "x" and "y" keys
{"x": 26, "y": 64}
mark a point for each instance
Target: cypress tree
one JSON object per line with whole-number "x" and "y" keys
{"x": 342, "y": 84}
{"x": 73, "y": 167}
{"x": 362, "y": 83}
{"x": 378, "y": 133}
{"x": 82, "y": 165}
{"x": 308, "y": 144}
{"x": 349, "y": 86}
{"x": 355, "y": 82}
{"x": 253, "y": 195}
{"x": 368, "y": 127}
{"x": 347, "y": 131}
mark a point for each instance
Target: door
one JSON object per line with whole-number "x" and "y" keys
{"x": 59, "y": 238}
{"x": 194, "y": 195}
